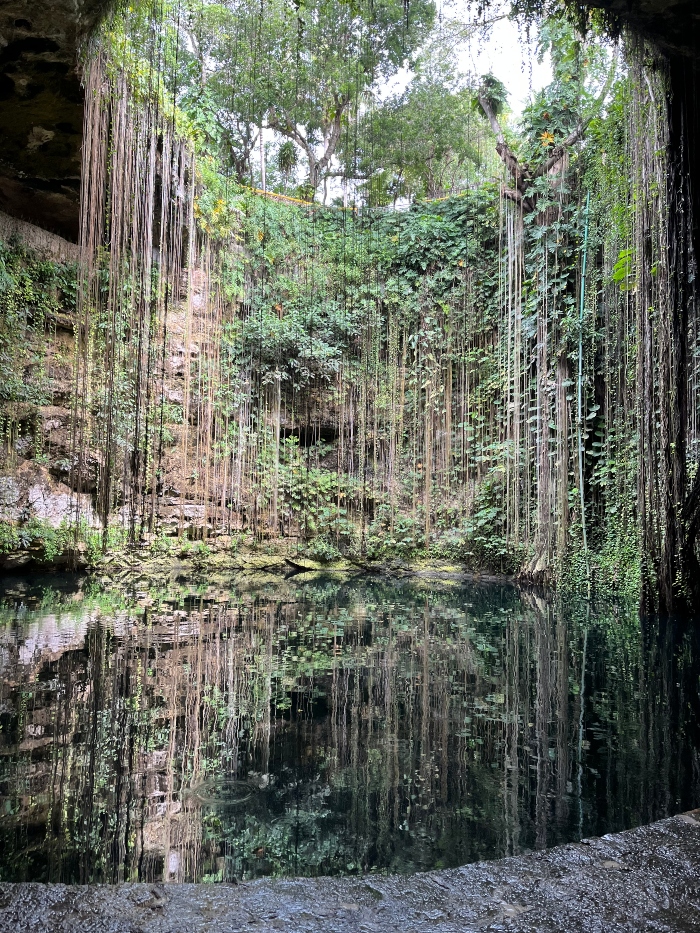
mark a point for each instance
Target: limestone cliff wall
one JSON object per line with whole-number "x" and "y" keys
{"x": 45, "y": 244}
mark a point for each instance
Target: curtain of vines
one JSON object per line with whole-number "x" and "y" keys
{"x": 443, "y": 380}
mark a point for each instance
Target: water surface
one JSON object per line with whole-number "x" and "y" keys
{"x": 326, "y": 727}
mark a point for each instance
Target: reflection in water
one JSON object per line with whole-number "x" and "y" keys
{"x": 325, "y": 728}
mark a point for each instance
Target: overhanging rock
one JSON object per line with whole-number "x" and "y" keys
{"x": 41, "y": 109}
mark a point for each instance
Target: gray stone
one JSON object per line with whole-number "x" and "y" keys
{"x": 9, "y": 499}
{"x": 57, "y": 505}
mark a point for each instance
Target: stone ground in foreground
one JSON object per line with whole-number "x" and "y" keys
{"x": 644, "y": 879}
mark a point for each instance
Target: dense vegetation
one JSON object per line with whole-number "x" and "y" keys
{"x": 491, "y": 376}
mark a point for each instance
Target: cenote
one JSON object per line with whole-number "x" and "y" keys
{"x": 335, "y": 726}
{"x": 312, "y": 338}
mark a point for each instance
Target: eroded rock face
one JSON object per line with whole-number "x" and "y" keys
{"x": 674, "y": 25}
{"x": 34, "y": 493}
{"x": 9, "y": 499}
{"x": 31, "y": 493}
{"x": 41, "y": 109}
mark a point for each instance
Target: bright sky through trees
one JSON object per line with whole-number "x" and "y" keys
{"x": 507, "y": 54}
{"x": 504, "y": 51}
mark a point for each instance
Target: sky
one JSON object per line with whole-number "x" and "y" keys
{"x": 507, "y": 54}
{"x": 504, "y": 51}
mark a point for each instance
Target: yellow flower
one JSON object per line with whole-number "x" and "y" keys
{"x": 547, "y": 138}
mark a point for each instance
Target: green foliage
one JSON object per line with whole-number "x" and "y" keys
{"x": 581, "y": 15}
{"x": 394, "y": 536}
{"x": 218, "y": 207}
{"x": 418, "y": 336}
{"x": 287, "y": 157}
{"x": 494, "y": 92}
{"x": 623, "y": 271}
{"x": 580, "y": 71}
{"x": 311, "y": 494}
{"x": 301, "y": 68}
{"x": 199, "y": 554}
{"x": 426, "y": 142}
{"x": 31, "y": 292}
{"x": 162, "y": 544}
{"x": 323, "y": 550}
{"x": 480, "y": 539}
{"x": 37, "y": 535}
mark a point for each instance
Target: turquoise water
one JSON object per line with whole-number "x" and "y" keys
{"x": 326, "y": 727}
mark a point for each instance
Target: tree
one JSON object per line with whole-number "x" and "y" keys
{"x": 218, "y": 50}
{"x": 322, "y": 68}
{"x": 302, "y": 67}
{"x": 424, "y": 142}
{"x": 556, "y": 120}
{"x": 547, "y": 224}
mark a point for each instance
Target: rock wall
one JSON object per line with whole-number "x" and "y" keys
{"x": 39, "y": 481}
{"x": 44, "y": 244}
{"x": 674, "y": 25}
{"x": 41, "y": 109}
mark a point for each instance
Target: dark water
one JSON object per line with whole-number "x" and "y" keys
{"x": 327, "y": 727}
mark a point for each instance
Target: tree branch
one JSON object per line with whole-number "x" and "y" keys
{"x": 317, "y": 165}
{"x": 341, "y": 104}
{"x": 512, "y": 194}
{"x": 558, "y": 152}
{"x": 492, "y": 118}
{"x": 287, "y": 128}
{"x": 521, "y": 174}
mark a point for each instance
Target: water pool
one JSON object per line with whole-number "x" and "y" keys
{"x": 327, "y": 726}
